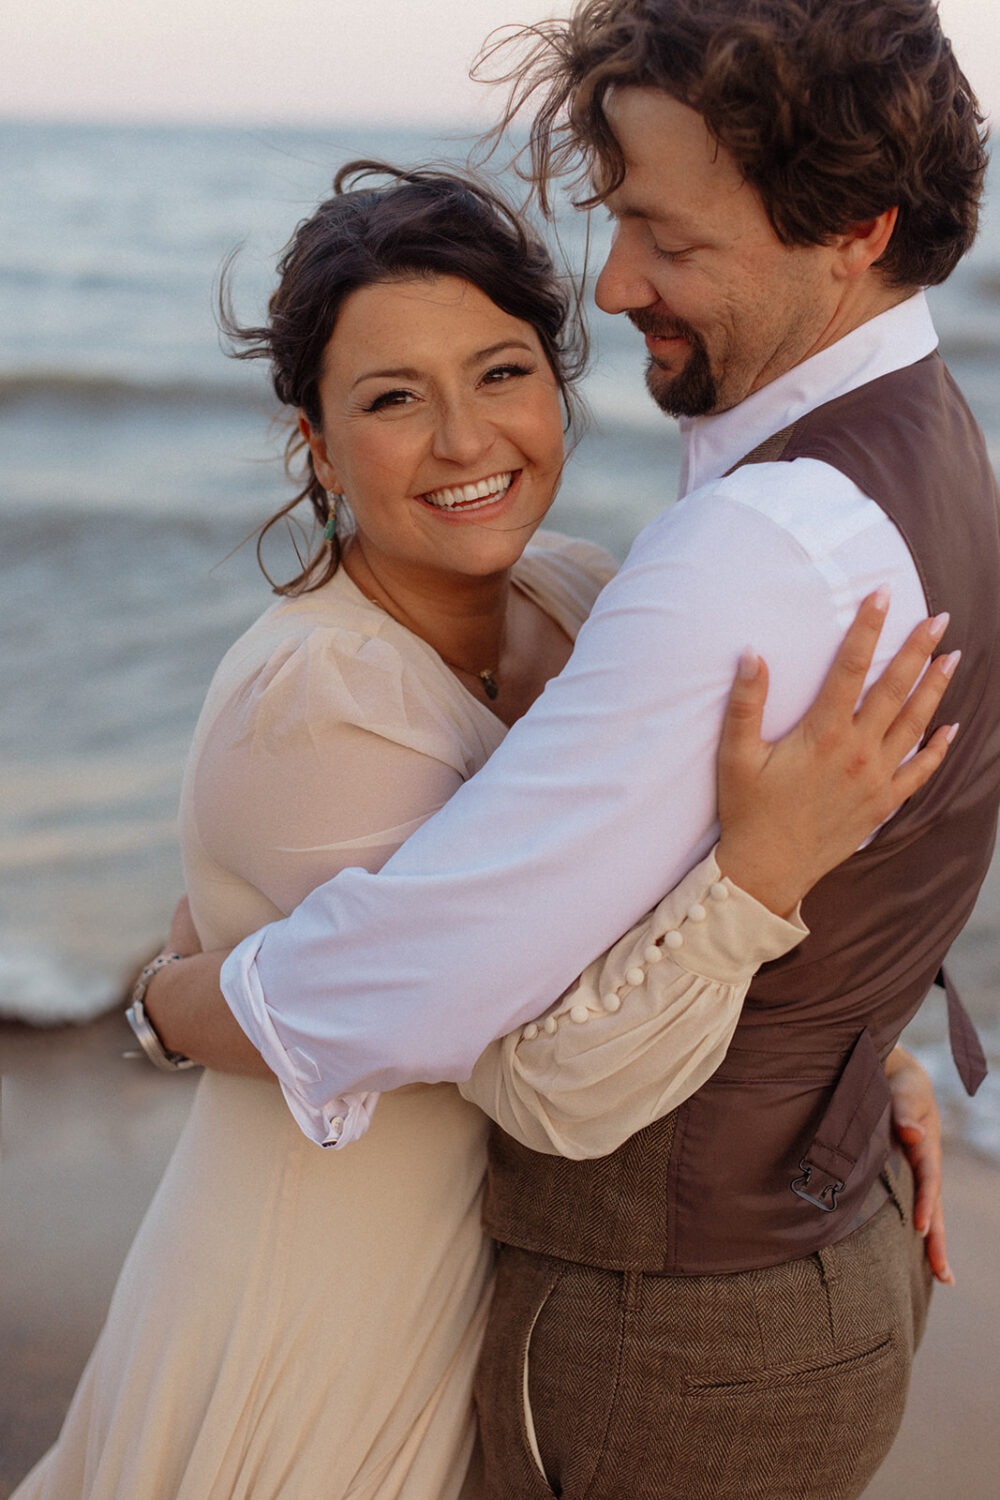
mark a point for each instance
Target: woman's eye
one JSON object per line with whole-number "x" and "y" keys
{"x": 498, "y": 373}
{"x": 388, "y": 399}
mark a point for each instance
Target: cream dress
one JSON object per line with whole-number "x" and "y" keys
{"x": 304, "y": 1324}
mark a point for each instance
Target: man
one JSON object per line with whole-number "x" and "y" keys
{"x": 728, "y": 1305}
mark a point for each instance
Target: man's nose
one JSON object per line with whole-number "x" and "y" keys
{"x": 622, "y": 283}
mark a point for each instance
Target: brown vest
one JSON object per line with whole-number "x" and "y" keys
{"x": 758, "y": 1167}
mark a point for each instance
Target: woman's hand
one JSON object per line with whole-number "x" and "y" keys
{"x": 917, "y": 1124}
{"x": 792, "y": 810}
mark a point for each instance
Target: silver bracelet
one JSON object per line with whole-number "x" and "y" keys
{"x": 142, "y": 1026}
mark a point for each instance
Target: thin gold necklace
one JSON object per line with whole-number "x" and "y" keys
{"x": 488, "y": 676}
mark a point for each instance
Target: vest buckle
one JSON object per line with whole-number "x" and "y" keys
{"x": 824, "y": 1189}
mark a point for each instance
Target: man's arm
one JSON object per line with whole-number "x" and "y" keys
{"x": 597, "y": 802}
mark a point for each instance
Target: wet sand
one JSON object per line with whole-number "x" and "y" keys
{"x": 86, "y": 1134}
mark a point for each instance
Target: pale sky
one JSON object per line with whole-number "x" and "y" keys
{"x": 315, "y": 61}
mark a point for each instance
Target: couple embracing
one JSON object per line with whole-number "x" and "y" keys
{"x": 709, "y": 1280}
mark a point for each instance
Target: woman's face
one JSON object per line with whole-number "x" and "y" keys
{"x": 442, "y": 425}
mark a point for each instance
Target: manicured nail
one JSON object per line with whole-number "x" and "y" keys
{"x": 881, "y": 598}
{"x": 950, "y": 732}
{"x": 749, "y": 665}
{"x": 939, "y": 625}
{"x": 950, "y": 662}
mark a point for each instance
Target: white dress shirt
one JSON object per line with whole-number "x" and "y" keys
{"x": 603, "y": 795}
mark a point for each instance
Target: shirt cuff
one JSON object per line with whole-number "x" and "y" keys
{"x": 336, "y": 1121}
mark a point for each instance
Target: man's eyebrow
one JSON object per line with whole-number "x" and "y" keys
{"x": 652, "y": 215}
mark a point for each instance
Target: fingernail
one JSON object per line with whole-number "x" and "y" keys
{"x": 749, "y": 664}
{"x": 950, "y": 662}
{"x": 939, "y": 625}
{"x": 951, "y": 732}
{"x": 881, "y": 598}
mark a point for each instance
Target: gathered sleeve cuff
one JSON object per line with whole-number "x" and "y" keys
{"x": 642, "y": 1028}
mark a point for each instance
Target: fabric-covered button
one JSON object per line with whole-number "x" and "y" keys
{"x": 696, "y": 912}
{"x": 337, "y": 1127}
{"x": 652, "y": 955}
{"x": 635, "y": 976}
{"x": 579, "y": 1014}
{"x": 530, "y": 1032}
{"x": 673, "y": 939}
{"x": 549, "y": 1025}
{"x": 719, "y": 892}
{"x": 611, "y": 1003}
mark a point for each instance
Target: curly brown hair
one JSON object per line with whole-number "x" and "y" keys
{"x": 415, "y": 222}
{"x": 834, "y": 110}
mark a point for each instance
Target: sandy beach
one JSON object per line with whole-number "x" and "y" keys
{"x": 86, "y": 1134}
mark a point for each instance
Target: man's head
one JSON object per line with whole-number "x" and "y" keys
{"x": 779, "y": 171}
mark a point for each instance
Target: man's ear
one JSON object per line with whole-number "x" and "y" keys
{"x": 861, "y": 246}
{"x": 323, "y": 466}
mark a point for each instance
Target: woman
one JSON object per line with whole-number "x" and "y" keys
{"x": 292, "y": 1322}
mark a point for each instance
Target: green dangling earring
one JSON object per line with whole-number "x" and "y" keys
{"x": 330, "y": 529}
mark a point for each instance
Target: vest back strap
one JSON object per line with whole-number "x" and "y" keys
{"x": 856, "y": 1106}
{"x": 966, "y": 1047}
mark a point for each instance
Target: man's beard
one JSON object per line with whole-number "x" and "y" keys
{"x": 693, "y": 391}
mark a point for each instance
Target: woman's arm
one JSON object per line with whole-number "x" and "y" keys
{"x": 644, "y": 1026}
{"x": 316, "y": 751}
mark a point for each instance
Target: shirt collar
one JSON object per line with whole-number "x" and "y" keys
{"x": 890, "y": 341}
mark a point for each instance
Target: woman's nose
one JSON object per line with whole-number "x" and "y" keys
{"x": 463, "y": 433}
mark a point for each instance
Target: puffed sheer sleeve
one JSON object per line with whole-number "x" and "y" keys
{"x": 641, "y": 1029}
{"x": 327, "y": 754}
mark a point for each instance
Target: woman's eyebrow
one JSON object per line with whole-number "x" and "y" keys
{"x": 407, "y": 372}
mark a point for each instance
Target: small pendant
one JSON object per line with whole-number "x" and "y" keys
{"x": 489, "y": 683}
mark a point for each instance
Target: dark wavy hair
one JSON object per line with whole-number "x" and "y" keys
{"x": 422, "y": 222}
{"x": 834, "y": 111}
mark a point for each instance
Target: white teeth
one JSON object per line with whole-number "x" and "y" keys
{"x": 484, "y": 491}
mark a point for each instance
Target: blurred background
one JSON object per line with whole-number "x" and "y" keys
{"x": 139, "y": 145}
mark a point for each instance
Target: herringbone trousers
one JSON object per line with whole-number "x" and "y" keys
{"x": 781, "y": 1384}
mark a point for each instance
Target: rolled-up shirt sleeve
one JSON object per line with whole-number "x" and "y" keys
{"x": 597, "y": 802}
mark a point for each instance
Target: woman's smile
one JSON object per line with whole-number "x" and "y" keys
{"x": 482, "y": 494}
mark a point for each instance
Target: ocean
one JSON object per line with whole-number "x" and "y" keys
{"x": 135, "y": 460}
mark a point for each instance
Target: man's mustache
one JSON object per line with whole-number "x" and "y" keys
{"x": 654, "y": 326}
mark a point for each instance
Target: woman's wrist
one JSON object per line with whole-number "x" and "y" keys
{"x": 188, "y": 1012}
{"x": 764, "y": 874}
